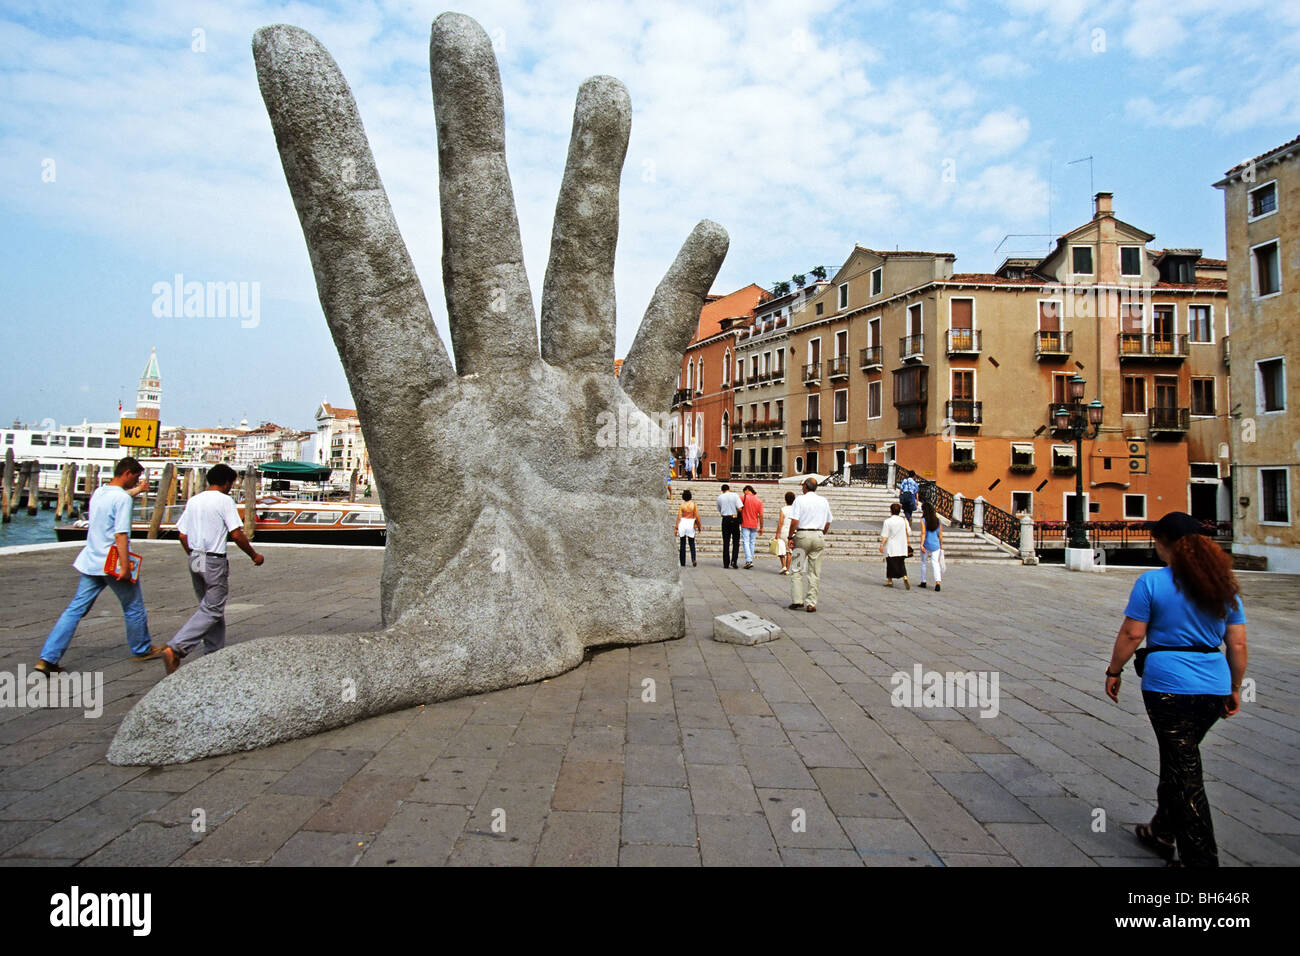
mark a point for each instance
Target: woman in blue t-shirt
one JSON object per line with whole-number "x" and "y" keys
{"x": 1184, "y": 611}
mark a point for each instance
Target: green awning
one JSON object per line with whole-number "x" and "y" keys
{"x": 298, "y": 470}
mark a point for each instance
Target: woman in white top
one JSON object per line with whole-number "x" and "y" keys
{"x": 894, "y": 545}
{"x": 783, "y": 552}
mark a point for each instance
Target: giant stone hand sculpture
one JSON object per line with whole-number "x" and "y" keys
{"x": 518, "y": 535}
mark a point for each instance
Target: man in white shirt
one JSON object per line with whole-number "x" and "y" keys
{"x": 893, "y": 545}
{"x": 203, "y": 526}
{"x": 110, "y": 526}
{"x": 810, "y": 522}
{"x": 729, "y": 507}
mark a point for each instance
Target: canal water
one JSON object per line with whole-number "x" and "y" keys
{"x": 24, "y": 530}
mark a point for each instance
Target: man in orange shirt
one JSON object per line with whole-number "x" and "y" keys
{"x": 751, "y": 522}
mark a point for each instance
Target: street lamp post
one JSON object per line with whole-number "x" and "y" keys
{"x": 1080, "y": 421}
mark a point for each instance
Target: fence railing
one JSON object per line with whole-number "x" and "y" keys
{"x": 1121, "y": 534}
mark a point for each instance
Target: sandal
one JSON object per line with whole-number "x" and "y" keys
{"x": 1147, "y": 837}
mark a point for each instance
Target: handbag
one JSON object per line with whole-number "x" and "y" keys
{"x": 773, "y": 547}
{"x": 112, "y": 564}
{"x": 1140, "y": 655}
{"x": 910, "y": 552}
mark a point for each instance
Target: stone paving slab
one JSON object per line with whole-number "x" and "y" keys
{"x": 789, "y": 753}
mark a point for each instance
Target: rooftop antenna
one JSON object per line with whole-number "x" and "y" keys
{"x": 1091, "y": 190}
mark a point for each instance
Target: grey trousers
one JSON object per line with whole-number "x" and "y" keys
{"x": 208, "y": 623}
{"x": 807, "y": 556}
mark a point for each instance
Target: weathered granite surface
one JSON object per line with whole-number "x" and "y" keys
{"x": 500, "y": 477}
{"x": 744, "y": 627}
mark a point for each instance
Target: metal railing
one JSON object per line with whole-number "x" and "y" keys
{"x": 839, "y": 366}
{"x": 963, "y": 340}
{"x": 1053, "y": 343}
{"x": 911, "y": 346}
{"x": 1152, "y": 345}
{"x": 812, "y": 372}
{"x": 1168, "y": 419}
{"x": 870, "y": 357}
{"x": 1116, "y": 534}
{"x": 812, "y": 428}
{"x": 963, "y": 412}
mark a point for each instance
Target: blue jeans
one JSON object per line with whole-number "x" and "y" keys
{"x": 129, "y": 595}
{"x": 747, "y": 537}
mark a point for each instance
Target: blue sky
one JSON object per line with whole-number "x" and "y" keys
{"x": 133, "y": 148}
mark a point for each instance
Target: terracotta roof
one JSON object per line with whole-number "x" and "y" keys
{"x": 738, "y": 303}
{"x": 1200, "y": 283}
{"x": 1263, "y": 156}
{"x": 991, "y": 278}
{"x": 910, "y": 253}
{"x": 337, "y": 412}
{"x": 1212, "y": 263}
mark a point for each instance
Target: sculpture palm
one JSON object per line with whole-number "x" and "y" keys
{"x": 519, "y": 533}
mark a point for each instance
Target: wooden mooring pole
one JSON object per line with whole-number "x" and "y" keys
{"x": 166, "y": 492}
{"x": 33, "y": 488}
{"x": 250, "y": 502}
{"x": 7, "y": 488}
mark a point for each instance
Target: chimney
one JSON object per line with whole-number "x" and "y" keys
{"x": 1103, "y": 205}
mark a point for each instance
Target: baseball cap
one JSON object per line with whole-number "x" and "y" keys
{"x": 1175, "y": 525}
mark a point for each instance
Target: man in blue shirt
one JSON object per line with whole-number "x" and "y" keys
{"x": 110, "y": 525}
{"x": 907, "y": 489}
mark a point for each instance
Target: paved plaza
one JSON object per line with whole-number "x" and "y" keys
{"x": 681, "y": 753}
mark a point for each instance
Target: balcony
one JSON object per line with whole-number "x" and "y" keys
{"x": 681, "y": 397}
{"x": 812, "y": 374}
{"x": 1168, "y": 421}
{"x": 963, "y": 341}
{"x": 812, "y": 429}
{"x": 963, "y": 412}
{"x": 911, "y": 416}
{"x": 839, "y": 367}
{"x": 778, "y": 376}
{"x": 1226, "y": 351}
{"x": 1051, "y": 345}
{"x": 1152, "y": 346}
{"x": 911, "y": 348}
{"x": 870, "y": 359}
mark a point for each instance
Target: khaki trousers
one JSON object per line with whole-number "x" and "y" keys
{"x": 808, "y": 547}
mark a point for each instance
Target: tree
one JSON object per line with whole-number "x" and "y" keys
{"x": 781, "y": 288}
{"x": 819, "y": 273}
{"x": 799, "y": 279}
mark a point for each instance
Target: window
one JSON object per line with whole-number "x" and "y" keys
{"x": 1135, "y": 506}
{"x": 76, "y": 441}
{"x": 1202, "y": 396}
{"x": 877, "y": 280}
{"x": 1200, "y": 326}
{"x": 1063, "y": 456}
{"x": 735, "y": 462}
{"x": 722, "y": 434}
{"x": 1274, "y": 496}
{"x": 963, "y": 449}
{"x": 914, "y": 326}
{"x": 844, "y": 296}
{"x": 1081, "y": 260}
{"x": 1130, "y": 260}
{"x": 1164, "y": 323}
{"x": 873, "y": 399}
{"x": 60, "y": 440}
{"x": 841, "y": 406}
{"x": 726, "y": 368}
{"x": 38, "y": 439}
{"x": 1135, "y": 395}
{"x": 1131, "y": 318}
{"x": 798, "y": 465}
{"x": 1022, "y": 501}
{"x": 1268, "y": 279}
{"x": 316, "y": 517}
{"x": 909, "y": 385}
{"x": 873, "y": 333}
{"x": 9, "y": 438}
{"x": 1263, "y": 200}
{"x": 713, "y": 469}
{"x": 821, "y": 307}
{"x": 1049, "y": 315}
{"x": 776, "y": 458}
{"x": 1060, "y": 388}
{"x": 1022, "y": 453}
{"x": 841, "y": 344}
{"x": 1270, "y": 385}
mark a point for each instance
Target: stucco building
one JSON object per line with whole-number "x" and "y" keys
{"x": 1261, "y": 200}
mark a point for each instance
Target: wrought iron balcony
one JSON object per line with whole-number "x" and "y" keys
{"x": 911, "y": 416}
{"x": 1168, "y": 420}
{"x": 1153, "y": 345}
{"x": 963, "y": 341}
{"x": 812, "y": 428}
{"x": 870, "y": 358}
{"x": 911, "y": 348}
{"x": 681, "y": 397}
{"x": 963, "y": 412}
{"x": 812, "y": 373}
{"x": 1053, "y": 344}
{"x": 839, "y": 367}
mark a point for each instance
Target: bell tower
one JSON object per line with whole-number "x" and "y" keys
{"x": 148, "y": 397}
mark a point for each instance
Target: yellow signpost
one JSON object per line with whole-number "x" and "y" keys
{"x": 138, "y": 433}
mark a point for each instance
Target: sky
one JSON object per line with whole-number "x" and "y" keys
{"x": 135, "y": 148}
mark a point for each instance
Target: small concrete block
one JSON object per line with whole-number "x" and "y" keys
{"x": 744, "y": 627}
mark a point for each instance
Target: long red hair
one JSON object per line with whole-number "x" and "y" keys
{"x": 1203, "y": 571}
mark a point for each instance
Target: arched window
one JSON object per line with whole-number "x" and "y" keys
{"x": 798, "y": 464}
{"x": 690, "y": 375}
{"x": 699, "y": 374}
{"x": 722, "y": 435}
{"x": 726, "y": 368}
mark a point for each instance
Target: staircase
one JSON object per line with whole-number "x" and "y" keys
{"x": 857, "y": 514}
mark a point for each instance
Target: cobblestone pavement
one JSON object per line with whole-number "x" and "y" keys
{"x": 786, "y": 753}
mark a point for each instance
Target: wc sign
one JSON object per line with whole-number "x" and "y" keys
{"x": 138, "y": 433}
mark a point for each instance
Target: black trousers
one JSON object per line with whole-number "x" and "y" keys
{"x": 1182, "y": 809}
{"x": 684, "y": 539}
{"x": 730, "y": 540}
